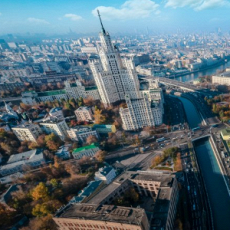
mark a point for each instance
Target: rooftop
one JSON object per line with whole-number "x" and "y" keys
{"x": 84, "y": 148}
{"x": 53, "y": 110}
{"x": 51, "y": 93}
{"x": 105, "y": 170}
{"x": 225, "y": 74}
{"x": 225, "y": 132}
{"x": 89, "y": 88}
{"x": 110, "y": 213}
{"x": 103, "y": 126}
{"x": 83, "y": 108}
{"x": 23, "y": 156}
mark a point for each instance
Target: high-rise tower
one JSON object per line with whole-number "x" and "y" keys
{"x": 114, "y": 76}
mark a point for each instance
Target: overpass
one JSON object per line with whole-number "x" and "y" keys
{"x": 186, "y": 87}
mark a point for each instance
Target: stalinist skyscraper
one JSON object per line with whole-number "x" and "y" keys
{"x": 114, "y": 76}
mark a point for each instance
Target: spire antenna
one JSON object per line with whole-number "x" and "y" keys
{"x": 103, "y": 29}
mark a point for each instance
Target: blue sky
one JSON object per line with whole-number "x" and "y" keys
{"x": 58, "y": 16}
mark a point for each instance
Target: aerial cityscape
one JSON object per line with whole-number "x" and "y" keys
{"x": 116, "y": 116}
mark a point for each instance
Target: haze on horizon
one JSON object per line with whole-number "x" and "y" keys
{"x": 79, "y": 16}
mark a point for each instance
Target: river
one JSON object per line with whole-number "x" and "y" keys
{"x": 211, "y": 71}
{"x": 216, "y": 188}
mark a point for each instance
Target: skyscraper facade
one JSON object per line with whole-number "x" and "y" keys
{"x": 114, "y": 76}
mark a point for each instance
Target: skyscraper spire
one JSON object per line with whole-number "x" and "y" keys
{"x": 103, "y": 29}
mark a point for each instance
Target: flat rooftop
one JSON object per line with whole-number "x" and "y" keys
{"x": 166, "y": 180}
{"x": 225, "y": 74}
{"x": 109, "y": 213}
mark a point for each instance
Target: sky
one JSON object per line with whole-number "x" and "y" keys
{"x": 119, "y": 16}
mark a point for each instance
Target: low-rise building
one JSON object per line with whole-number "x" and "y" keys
{"x": 105, "y": 129}
{"x": 84, "y": 113}
{"x": 88, "y": 192}
{"x": 56, "y": 113}
{"x": 63, "y": 152}
{"x": 58, "y": 127}
{"x": 107, "y": 174}
{"x": 17, "y": 162}
{"x": 81, "y": 133}
{"x": 27, "y": 132}
{"x": 88, "y": 151}
{"x": 222, "y": 79}
{"x": 225, "y": 133}
{"x": 52, "y": 95}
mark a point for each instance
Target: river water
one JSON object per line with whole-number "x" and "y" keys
{"x": 216, "y": 188}
{"x": 212, "y": 71}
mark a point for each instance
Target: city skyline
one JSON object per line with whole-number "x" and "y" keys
{"x": 132, "y": 16}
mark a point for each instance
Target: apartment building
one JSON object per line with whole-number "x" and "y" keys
{"x": 58, "y": 127}
{"x": 140, "y": 112}
{"x": 81, "y": 133}
{"x": 77, "y": 90}
{"x": 27, "y": 132}
{"x": 84, "y": 113}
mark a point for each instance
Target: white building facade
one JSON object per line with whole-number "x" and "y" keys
{"x": 84, "y": 113}
{"x": 106, "y": 174}
{"x": 81, "y": 134}
{"x": 27, "y": 132}
{"x": 58, "y": 127}
{"x": 113, "y": 76}
{"x": 140, "y": 112}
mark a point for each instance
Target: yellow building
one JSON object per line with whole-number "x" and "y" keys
{"x": 225, "y": 133}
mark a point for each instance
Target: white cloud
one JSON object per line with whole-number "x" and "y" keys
{"x": 131, "y": 9}
{"x": 197, "y": 4}
{"x": 73, "y": 17}
{"x": 37, "y": 21}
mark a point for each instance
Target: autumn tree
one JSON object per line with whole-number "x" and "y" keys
{"x": 7, "y": 148}
{"x": 91, "y": 139}
{"x": 42, "y": 223}
{"x": 53, "y": 142}
{"x": 100, "y": 155}
{"x": 33, "y": 145}
{"x": 99, "y": 118}
{"x": 88, "y": 101}
{"x": 25, "y": 107}
{"x": 156, "y": 161}
{"x": 6, "y": 216}
{"x": 41, "y": 141}
{"x": 40, "y": 192}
